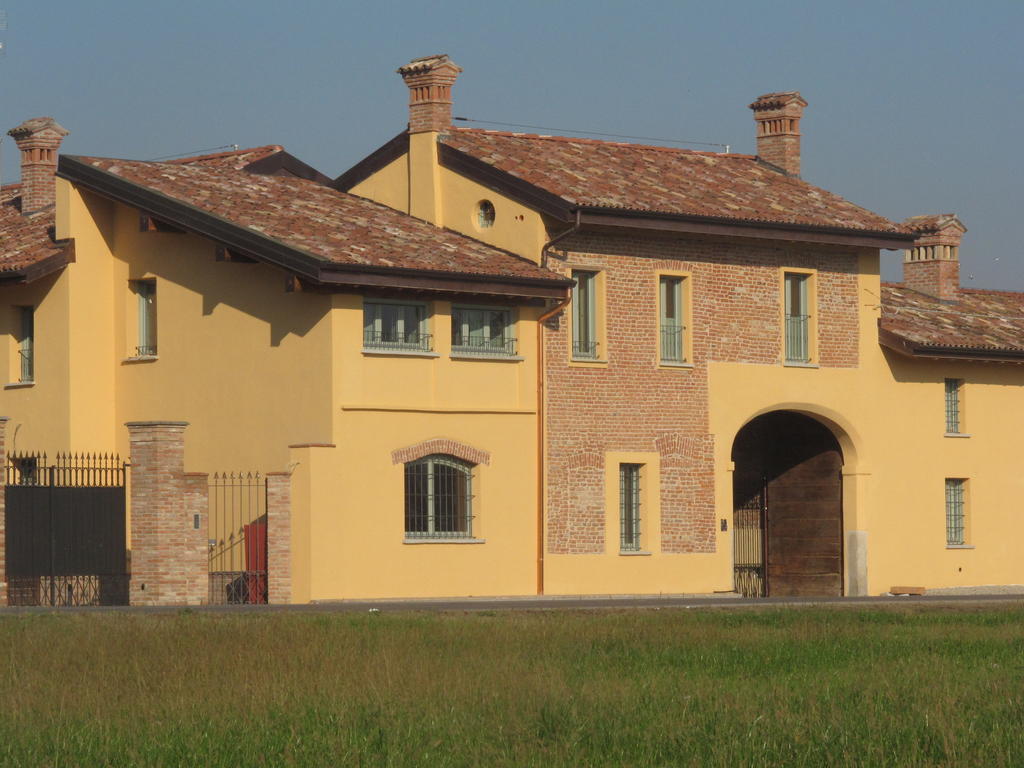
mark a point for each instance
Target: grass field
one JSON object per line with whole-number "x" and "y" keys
{"x": 807, "y": 687}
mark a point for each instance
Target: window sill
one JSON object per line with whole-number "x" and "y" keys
{"x": 19, "y": 385}
{"x": 399, "y": 352}
{"x": 489, "y": 358}
{"x": 667, "y": 364}
{"x": 634, "y": 553}
{"x": 959, "y": 546}
{"x": 789, "y": 364}
{"x": 444, "y": 541}
{"x": 141, "y": 359}
{"x": 587, "y": 361}
{"x": 956, "y": 434}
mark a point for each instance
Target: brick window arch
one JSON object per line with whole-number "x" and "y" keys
{"x": 441, "y": 445}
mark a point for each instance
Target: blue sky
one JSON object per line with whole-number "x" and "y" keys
{"x": 915, "y": 107}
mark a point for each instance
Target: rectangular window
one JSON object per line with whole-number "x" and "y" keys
{"x": 629, "y": 507}
{"x": 798, "y": 348}
{"x": 672, "y": 327}
{"x": 584, "y": 315}
{"x": 27, "y": 344}
{"x": 953, "y": 388}
{"x": 146, "y": 292}
{"x": 399, "y": 327}
{"x": 954, "y": 511}
{"x": 482, "y": 331}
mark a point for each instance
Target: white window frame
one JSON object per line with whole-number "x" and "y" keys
{"x": 956, "y": 512}
{"x": 26, "y": 345}
{"x": 145, "y": 290}
{"x": 672, "y": 327}
{"x": 797, "y": 318}
{"x": 473, "y": 332}
{"x": 630, "y": 506}
{"x": 378, "y": 336}
{"x": 584, "y": 315}
{"x": 426, "y": 524}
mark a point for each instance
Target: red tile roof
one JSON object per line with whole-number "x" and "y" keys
{"x": 24, "y": 240}
{"x": 328, "y": 225}
{"x": 981, "y": 320}
{"x": 613, "y": 175}
{"x": 237, "y": 159}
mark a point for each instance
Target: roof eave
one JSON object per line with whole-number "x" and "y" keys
{"x": 268, "y": 250}
{"x": 47, "y": 266}
{"x": 713, "y": 225}
{"x": 909, "y": 348}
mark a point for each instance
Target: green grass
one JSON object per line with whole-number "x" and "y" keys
{"x": 814, "y": 687}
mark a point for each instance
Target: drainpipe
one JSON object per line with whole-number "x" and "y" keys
{"x": 540, "y": 400}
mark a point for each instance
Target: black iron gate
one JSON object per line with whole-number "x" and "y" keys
{"x": 238, "y": 538}
{"x": 65, "y": 530}
{"x": 750, "y": 518}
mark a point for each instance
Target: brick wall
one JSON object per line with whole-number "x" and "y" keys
{"x": 279, "y": 538}
{"x": 632, "y": 404}
{"x": 169, "y": 564}
{"x": 935, "y": 277}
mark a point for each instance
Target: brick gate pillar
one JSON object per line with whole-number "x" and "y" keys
{"x": 3, "y": 510}
{"x": 279, "y": 537}
{"x": 169, "y": 566}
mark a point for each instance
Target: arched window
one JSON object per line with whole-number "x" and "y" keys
{"x": 438, "y": 498}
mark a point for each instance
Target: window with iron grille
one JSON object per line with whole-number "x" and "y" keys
{"x": 955, "y": 514}
{"x": 797, "y": 318}
{"x": 438, "y": 498}
{"x": 629, "y": 507}
{"x": 953, "y": 389}
{"x": 671, "y": 300}
{"x": 398, "y": 327}
{"x": 145, "y": 290}
{"x": 584, "y": 315}
{"x": 482, "y": 331}
{"x": 27, "y": 344}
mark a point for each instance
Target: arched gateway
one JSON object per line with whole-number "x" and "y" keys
{"x": 787, "y": 507}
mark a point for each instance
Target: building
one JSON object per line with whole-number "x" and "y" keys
{"x": 486, "y": 363}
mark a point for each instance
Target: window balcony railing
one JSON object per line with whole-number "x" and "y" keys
{"x": 672, "y": 343}
{"x": 584, "y": 350}
{"x": 398, "y": 342}
{"x": 474, "y": 345}
{"x": 797, "y": 339}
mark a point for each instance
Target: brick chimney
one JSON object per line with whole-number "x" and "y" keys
{"x": 430, "y": 81}
{"x": 932, "y": 266}
{"x": 38, "y": 139}
{"x": 777, "y": 116}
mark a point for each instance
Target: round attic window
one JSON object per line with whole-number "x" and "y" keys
{"x": 485, "y": 214}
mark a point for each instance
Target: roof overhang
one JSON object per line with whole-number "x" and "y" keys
{"x": 763, "y": 230}
{"x": 914, "y": 349}
{"x": 297, "y": 262}
{"x": 43, "y": 267}
{"x": 551, "y": 204}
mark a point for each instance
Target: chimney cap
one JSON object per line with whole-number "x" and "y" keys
{"x": 777, "y": 100}
{"x": 37, "y": 125}
{"x": 428, "y": 64}
{"x": 934, "y": 223}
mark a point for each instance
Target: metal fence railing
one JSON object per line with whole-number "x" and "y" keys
{"x": 414, "y": 341}
{"x": 797, "y": 341}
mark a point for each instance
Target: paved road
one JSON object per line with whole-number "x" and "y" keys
{"x": 549, "y": 603}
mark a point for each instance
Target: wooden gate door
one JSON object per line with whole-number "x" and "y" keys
{"x": 805, "y": 529}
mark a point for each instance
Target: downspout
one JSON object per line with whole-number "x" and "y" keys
{"x": 540, "y": 400}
